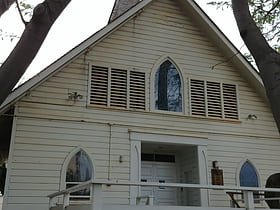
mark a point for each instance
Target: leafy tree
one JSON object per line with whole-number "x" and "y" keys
{"x": 35, "y": 32}
{"x": 258, "y": 22}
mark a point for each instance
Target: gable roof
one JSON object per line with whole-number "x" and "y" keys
{"x": 189, "y": 6}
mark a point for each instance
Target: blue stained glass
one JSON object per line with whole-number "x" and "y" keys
{"x": 248, "y": 175}
{"x": 167, "y": 90}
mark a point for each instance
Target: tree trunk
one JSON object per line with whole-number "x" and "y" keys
{"x": 267, "y": 59}
{"x": 36, "y": 30}
{"x": 5, "y": 5}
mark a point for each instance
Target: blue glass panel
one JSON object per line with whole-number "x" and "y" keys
{"x": 248, "y": 176}
{"x": 167, "y": 90}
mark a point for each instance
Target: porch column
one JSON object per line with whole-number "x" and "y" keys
{"x": 249, "y": 200}
{"x": 96, "y": 196}
{"x": 203, "y": 174}
{"x": 135, "y": 169}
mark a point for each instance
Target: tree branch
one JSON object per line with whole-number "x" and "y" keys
{"x": 267, "y": 59}
{"x": 20, "y": 14}
{"x": 272, "y": 8}
{"x": 35, "y": 32}
{"x": 249, "y": 31}
{"x": 5, "y": 5}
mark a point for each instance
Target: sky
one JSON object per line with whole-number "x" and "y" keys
{"x": 79, "y": 21}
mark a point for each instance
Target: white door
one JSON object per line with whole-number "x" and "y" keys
{"x": 163, "y": 173}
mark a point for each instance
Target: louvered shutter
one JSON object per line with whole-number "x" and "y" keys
{"x": 230, "y": 101}
{"x": 197, "y": 97}
{"x": 214, "y": 103}
{"x": 118, "y": 94}
{"x": 98, "y": 85}
{"x": 137, "y": 90}
{"x": 213, "y": 99}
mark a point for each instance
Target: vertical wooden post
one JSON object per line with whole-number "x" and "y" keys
{"x": 51, "y": 203}
{"x": 96, "y": 196}
{"x": 66, "y": 199}
{"x": 249, "y": 200}
{"x": 151, "y": 200}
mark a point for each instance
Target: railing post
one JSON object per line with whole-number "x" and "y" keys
{"x": 151, "y": 200}
{"x": 249, "y": 200}
{"x": 66, "y": 199}
{"x": 51, "y": 203}
{"x": 96, "y": 196}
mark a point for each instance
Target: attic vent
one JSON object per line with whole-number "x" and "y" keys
{"x": 197, "y": 97}
{"x": 137, "y": 90}
{"x": 99, "y": 85}
{"x": 230, "y": 101}
{"x": 213, "y": 99}
{"x": 117, "y": 88}
{"x": 214, "y": 102}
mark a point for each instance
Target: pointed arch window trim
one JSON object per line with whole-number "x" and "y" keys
{"x": 154, "y": 73}
{"x": 247, "y": 179}
{"x": 64, "y": 182}
{"x": 255, "y": 182}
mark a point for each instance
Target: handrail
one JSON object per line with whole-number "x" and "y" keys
{"x": 96, "y": 188}
{"x": 156, "y": 184}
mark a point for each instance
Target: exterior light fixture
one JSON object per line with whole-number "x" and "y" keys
{"x": 252, "y": 117}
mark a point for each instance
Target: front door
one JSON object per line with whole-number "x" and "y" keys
{"x": 162, "y": 172}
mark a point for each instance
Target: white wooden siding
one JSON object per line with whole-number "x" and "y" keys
{"x": 50, "y": 125}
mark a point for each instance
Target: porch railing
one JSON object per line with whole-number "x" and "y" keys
{"x": 97, "y": 200}
{"x": 1, "y": 201}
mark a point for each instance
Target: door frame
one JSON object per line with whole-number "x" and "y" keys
{"x": 136, "y": 138}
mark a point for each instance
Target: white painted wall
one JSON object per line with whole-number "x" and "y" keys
{"x": 49, "y": 126}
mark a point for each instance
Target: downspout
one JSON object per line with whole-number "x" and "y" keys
{"x": 109, "y": 150}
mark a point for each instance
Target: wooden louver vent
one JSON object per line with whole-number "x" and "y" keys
{"x": 137, "y": 90}
{"x": 197, "y": 97}
{"x": 230, "y": 101}
{"x": 118, "y": 95}
{"x": 99, "y": 85}
{"x": 213, "y": 99}
{"x": 214, "y": 106}
{"x": 118, "y": 88}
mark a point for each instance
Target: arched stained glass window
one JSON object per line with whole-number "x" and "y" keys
{"x": 248, "y": 176}
{"x": 79, "y": 170}
{"x": 167, "y": 88}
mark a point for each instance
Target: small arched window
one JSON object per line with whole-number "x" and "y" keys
{"x": 248, "y": 176}
{"x": 79, "y": 170}
{"x": 167, "y": 88}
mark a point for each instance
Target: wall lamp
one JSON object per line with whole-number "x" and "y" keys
{"x": 252, "y": 117}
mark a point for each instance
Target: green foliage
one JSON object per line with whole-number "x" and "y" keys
{"x": 266, "y": 14}
{"x": 26, "y": 9}
{"x": 6, "y": 35}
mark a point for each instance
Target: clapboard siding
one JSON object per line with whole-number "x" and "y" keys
{"x": 160, "y": 120}
{"x": 49, "y": 125}
{"x": 29, "y": 155}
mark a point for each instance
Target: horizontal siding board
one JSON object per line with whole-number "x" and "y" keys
{"x": 152, "y": 119}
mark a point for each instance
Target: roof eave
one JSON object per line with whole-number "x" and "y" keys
{"x": 228, "y": 48}
{"x": 19, "y": 92}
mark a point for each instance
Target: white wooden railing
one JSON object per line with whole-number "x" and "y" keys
{"x": 97, "y": 200}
